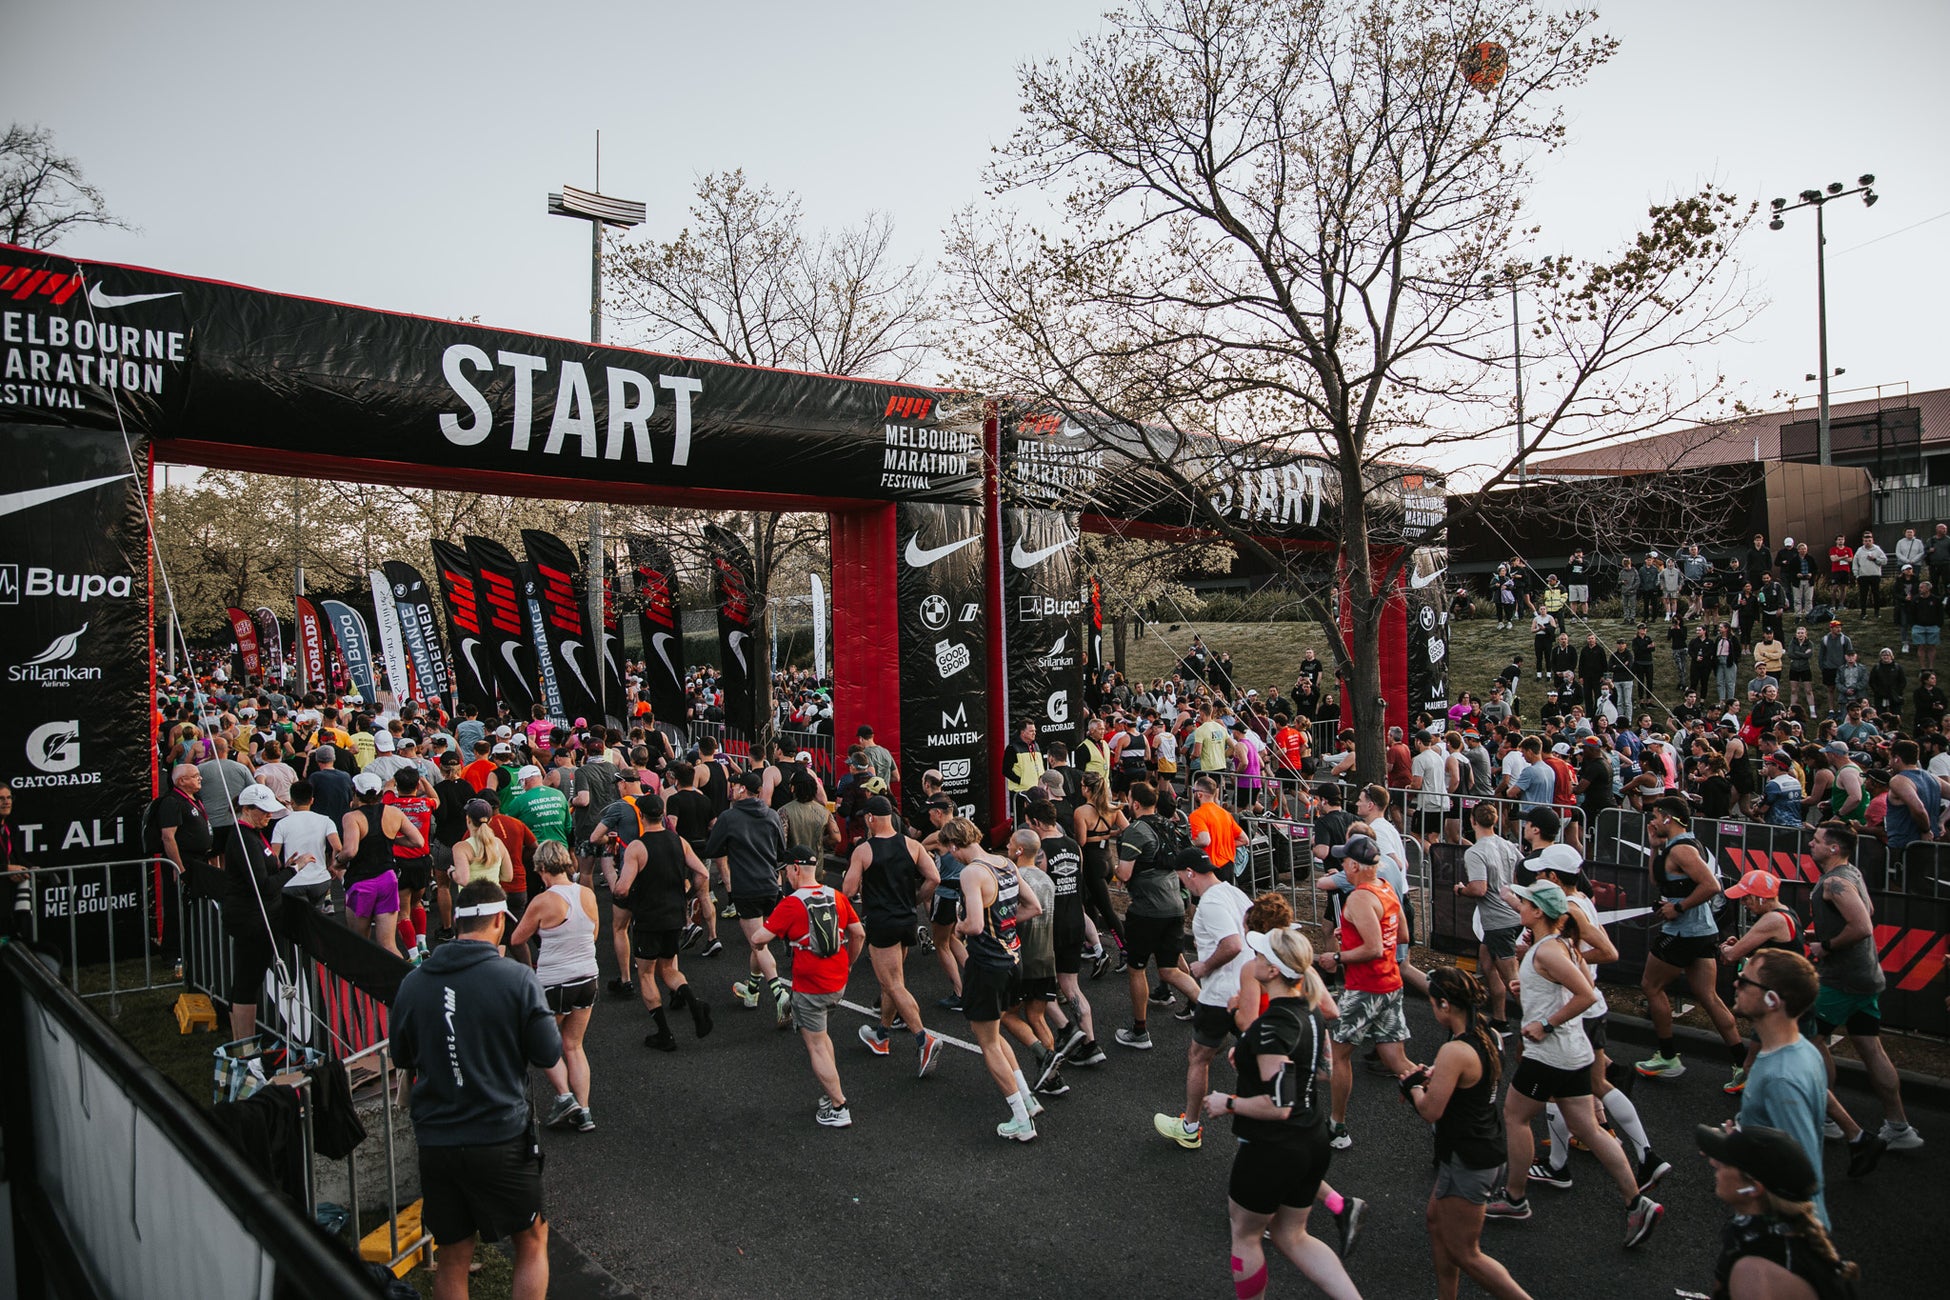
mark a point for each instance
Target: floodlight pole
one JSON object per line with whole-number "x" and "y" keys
{"x": 1818, "y": 199}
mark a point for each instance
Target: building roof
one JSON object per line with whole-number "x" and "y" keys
{"x": 1749, "y": 437}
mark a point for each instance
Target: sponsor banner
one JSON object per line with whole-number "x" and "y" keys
{"x": 270, "y": 640}
{"x": 355, "y": 647}
{"x": 503, "y": 604}
{"x": 943, "y": 656}
{"x": 819, "y": 626}
{"x": 392, "y": 637}
{"x": 473, "y": 652}
{"x": 414, "y": 601}
{"x": 732, "y": 563}
{"x": 1094, "y": 669}
{"x": 615, "y": 703}
{"x": 660, "y": 612}
{"x": 562, "y": 621}
{"x": 209, "y": 362}
{"x": 308, "y": 638}
{"x": 1428, "y": 636}
{"x": 74, "y": 698}
{"x": 1045, "y": 622}
{"x": 243, "y": 630}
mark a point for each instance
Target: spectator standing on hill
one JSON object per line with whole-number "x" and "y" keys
{"x": 1629, "y": 576}
{"x": 1578, "y": 585}
{"x": 1672, "y": 581}
{"x": 1841, "y": 569}
{"x": 1938, "y": 555}
{"x": 1836, "y": 647}
{"x": 1868, "y": 563}
{"x": 1756, "y": 560}
{"x": 1798, "y": 571}
{"x": 1911, "y": 550}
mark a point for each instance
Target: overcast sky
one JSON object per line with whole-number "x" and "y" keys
{"x": 397, "y": 155}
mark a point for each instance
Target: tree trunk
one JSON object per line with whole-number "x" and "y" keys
{"x": 762, "y": 711}
{"x": 1118, "y": 626}
{"x": 1362, "y": 645}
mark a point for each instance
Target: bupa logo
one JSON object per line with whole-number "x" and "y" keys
{"x": 9, "y": 584}
{"x": 909, "y": 408}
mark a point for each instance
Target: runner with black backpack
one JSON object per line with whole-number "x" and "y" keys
{"x": 826, "y": 937}
{"x": 1154, "y": 926}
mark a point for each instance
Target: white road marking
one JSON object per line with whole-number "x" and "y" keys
{"x": 950, "y": 1039}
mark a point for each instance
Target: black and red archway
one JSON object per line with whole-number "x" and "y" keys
{"x": 958, "y": 593}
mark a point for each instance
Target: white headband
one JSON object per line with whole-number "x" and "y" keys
{"x": 482, "y": 909}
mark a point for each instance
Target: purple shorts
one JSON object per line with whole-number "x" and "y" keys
{"x": 375, "y": 897}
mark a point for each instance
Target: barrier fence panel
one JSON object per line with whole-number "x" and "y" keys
{"x": 820, "y": 746}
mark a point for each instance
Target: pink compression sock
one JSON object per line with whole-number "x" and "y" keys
{"x": 1252, "y": 1287}
{"x": 1334, "y": 1202}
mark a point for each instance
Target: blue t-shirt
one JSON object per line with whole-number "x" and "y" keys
{"x": 1898, "y": 822}
{"x": 1536, "y": 787}
{"x": 1787, "y": 1089}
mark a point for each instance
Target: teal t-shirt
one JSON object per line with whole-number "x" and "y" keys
{"x": 1787, "y": 1089}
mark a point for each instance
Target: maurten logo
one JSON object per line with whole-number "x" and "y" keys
{"x": 55, "y": 746}
{"x": 959, "y": 718}
{"x": 920, "y": 557}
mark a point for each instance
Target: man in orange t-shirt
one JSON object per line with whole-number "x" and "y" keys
{"x": 1214, "y": 828}
{"x": 479, "y": 772}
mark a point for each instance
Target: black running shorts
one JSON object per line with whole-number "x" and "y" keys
{"x": 1269, "y": 1175}
{"x": 988, "y": 991}
{"x": 564, "y": 998}
{"x": 1683, "y": 950}
{"x": 1069, "y": 949}
{"x": 1146, "y": 937}
{"x": 654, "y": 945}
{"x": 494, "y": 1190}
{"x": 1541, "y": 1082}
{"x": 883, "y": 933}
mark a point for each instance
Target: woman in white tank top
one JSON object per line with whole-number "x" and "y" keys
{"x": 563, "y": 917}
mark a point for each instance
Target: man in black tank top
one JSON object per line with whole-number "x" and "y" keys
{"x": 1063, "y": 859}
{"x": 656, "y": 867}
{"x": 891, "y": 875}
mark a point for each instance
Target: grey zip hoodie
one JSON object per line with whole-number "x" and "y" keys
{"x": 750, "y": 838}
{"x": 469, "y": 1022}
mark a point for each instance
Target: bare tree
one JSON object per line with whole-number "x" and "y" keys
{"x": 42, "y": 192}
{"x": 1143, "y": 578}
{"x": 744, "y": 282}
{"x": 1286, "y": 229}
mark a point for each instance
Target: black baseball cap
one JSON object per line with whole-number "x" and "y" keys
{"x": 878, "y": 806}
{"x": 752, "y": 781}
{"x": 1768, "y": 1154}
{"x": 1546, "y": 821}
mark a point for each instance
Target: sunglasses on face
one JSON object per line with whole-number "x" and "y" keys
{"x": 1741, "y": 981}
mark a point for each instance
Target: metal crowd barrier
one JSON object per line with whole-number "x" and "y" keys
{"x": 101, "y": 914}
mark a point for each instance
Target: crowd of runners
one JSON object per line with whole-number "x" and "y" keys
{"x": 421, "y": 828}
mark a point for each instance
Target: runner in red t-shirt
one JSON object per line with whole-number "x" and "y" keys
{"x": 818, "y": 982}
{"x": 417, "y": 802}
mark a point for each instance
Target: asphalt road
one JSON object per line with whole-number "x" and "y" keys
{"x": 708, "y": 1177}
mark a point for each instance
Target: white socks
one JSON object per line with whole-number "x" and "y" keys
{"x": 1625, "y": 1118}
{"x": 1018, "y": 1108}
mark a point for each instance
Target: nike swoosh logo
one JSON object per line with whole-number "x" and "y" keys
{"x": 737, "y": 641}
{"x": 1030, "y": 559}
{"x": 609, "y": 656}
{"x": 508, "y": 653}
{"x": 467, "y": 647}
{"x": 15, "y": 502}
{"x": 1622, "y": 914}
{"x": 920, "y": 557}
{"x": 660, "y": 640}
{"x": 1418, "y": 581}
{"x": 569, "y": 649}
{"x": 105, "y": 301}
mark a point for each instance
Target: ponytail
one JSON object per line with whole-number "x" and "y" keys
{"x": 483, "y": 841}
{"x": 1799, "y": 1218}
{"x": 1460, "y": 988}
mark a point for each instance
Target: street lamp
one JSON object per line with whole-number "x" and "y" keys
{"x": 598, "y": 210}
{"x": 1817, "y": 199}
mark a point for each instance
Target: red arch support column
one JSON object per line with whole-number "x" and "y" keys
{"x": 866, "y": 628}
{"x": 1394, "y": 642}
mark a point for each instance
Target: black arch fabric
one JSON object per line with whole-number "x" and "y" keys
{"x": 741, "y": 658}
{"x": 662, "y": 616}
{"x": 460, "y": 592}
{"x": 1044, "y": 620}
{"x": 421, "y": 629}
{"x": 504, "y": 623}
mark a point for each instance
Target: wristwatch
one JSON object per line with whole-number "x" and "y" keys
{"x": 1230, "y": 1098}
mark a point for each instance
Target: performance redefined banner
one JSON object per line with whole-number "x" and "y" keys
{"x": 503, "y": 603}
{"x": 422, "y": 631}
{"x": 943, "y": 656}
{"x": 243, "y": 630}
{"x": 615, "y": 704}
{"x": 1043, "y": 622}
{"x": 270, "y": 640}
{"x": 75, "y": 645}
{"x": 565, "y": 625}
{"x": 732, "y": 563}
{"x": 538, "y": 634}
{"x": 355, "y": 647}
{"x": 308, "y": 643}
{"x": 473, "y": 654}
{"x": 207, "y": 362}
{"x": 661, "y": 613}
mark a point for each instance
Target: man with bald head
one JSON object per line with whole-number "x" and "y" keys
{"x": 176, "y": 832}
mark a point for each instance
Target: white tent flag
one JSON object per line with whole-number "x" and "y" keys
{"x": 819, "y": 626}
{"x": 392, "y": 640}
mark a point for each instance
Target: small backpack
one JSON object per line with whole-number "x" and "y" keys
{"x": 822, "y": 922}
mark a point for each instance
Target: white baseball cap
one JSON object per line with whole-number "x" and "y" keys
{"x": 383, "y": 742}
{"x": 503, "y": 750}
{"x": 260, "y": 798}
{"x": 529, "y": 773}
{"x": 503, "y": 732}
{"x": 368, "y": 783}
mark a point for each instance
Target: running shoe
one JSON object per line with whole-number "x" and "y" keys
{"x": 1650, "y": 1170}
{"x": 1034, "y": 1107}
{"x": 1186, "y": 1012}
{"x": 1540, "y": 1172}
{"x": 1161, "y": 996}
{"x": 1053, "y": 1086}
{"x": 1072, "y": 1039}
{"x": 700, "y": 1016}
{"x": 562, "y": 1111}
{"x": 692, "y": 933}
{"x": 664, "y": 1042}
{"x": 950, "y": 1003}
{"x": 831, "y": 1116}
{"x": 1736, "y": 1085}
{"x": 876, "y": 1042}
{"x": 1123, "y": 961}
{"x": 1503, "y": 1206}
{"x": 1050, "y": 1064}
{"x": 1088, "y": 1054}
{"x": 1175, "y": 1128}
{"x": 1099, "y": 964}
{"x": 1353, "y": 1211}
{"x": 1900, "y": 1137}
{"x": 782, "y": 1006}
{"x": 1138, "y": 1039}
{"x": 621, "y": 988}
{"x": 1661, "y": 1066}
{"x": 1339, "y": 1138}
{"x": 1831, "y": 1130}
{"x": 746, "y": 991}
{"x": 1865, "y": 1153}
{"x": 1641, "y": 1219}
{"x": 585, "y": 1121}
{"x": 1017, "y": 1130}
{"x": 930, "y": 1056}
{"x": 712, "y": 948}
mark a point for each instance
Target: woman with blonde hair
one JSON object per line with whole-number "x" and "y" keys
{"x": 1098, "y": 821}
{"x": 563, "y": 917}
{"x": 482, "y": 855}
{"x": 1279, "y": 1116}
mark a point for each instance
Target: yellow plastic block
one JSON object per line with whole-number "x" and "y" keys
{"x": 193, "y": 1012}
{"x": 376, "y": 1247}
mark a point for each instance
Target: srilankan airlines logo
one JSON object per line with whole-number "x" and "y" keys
{"x": 50, "y": 668}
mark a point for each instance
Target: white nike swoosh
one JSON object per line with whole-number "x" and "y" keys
{"x": 508, "y": 653}
{"x": 1030, "y": 559}
{"x": 1417, "y": 581}
{"x": 663, "y": 652}
{"x": 569, "y": 649}
{"x": 609, "y": 656}
{"x": 104, "y": 301}
{"x": 467, "y": 647}
{"x": 919, "y": 557}
{"x": 737, "y": 641}
{"x": 14, "y": 502}
{"x": 1622, "y": 914}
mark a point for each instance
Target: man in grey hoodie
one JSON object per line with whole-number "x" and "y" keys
{"x": 468, "y": 1023}
{"x": 748, "y": 844}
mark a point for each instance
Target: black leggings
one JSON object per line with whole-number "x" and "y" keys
{"x": 1096, "y": 898}
{"x": 1543, "y": 641}
{"x": 1869, "y": 590}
